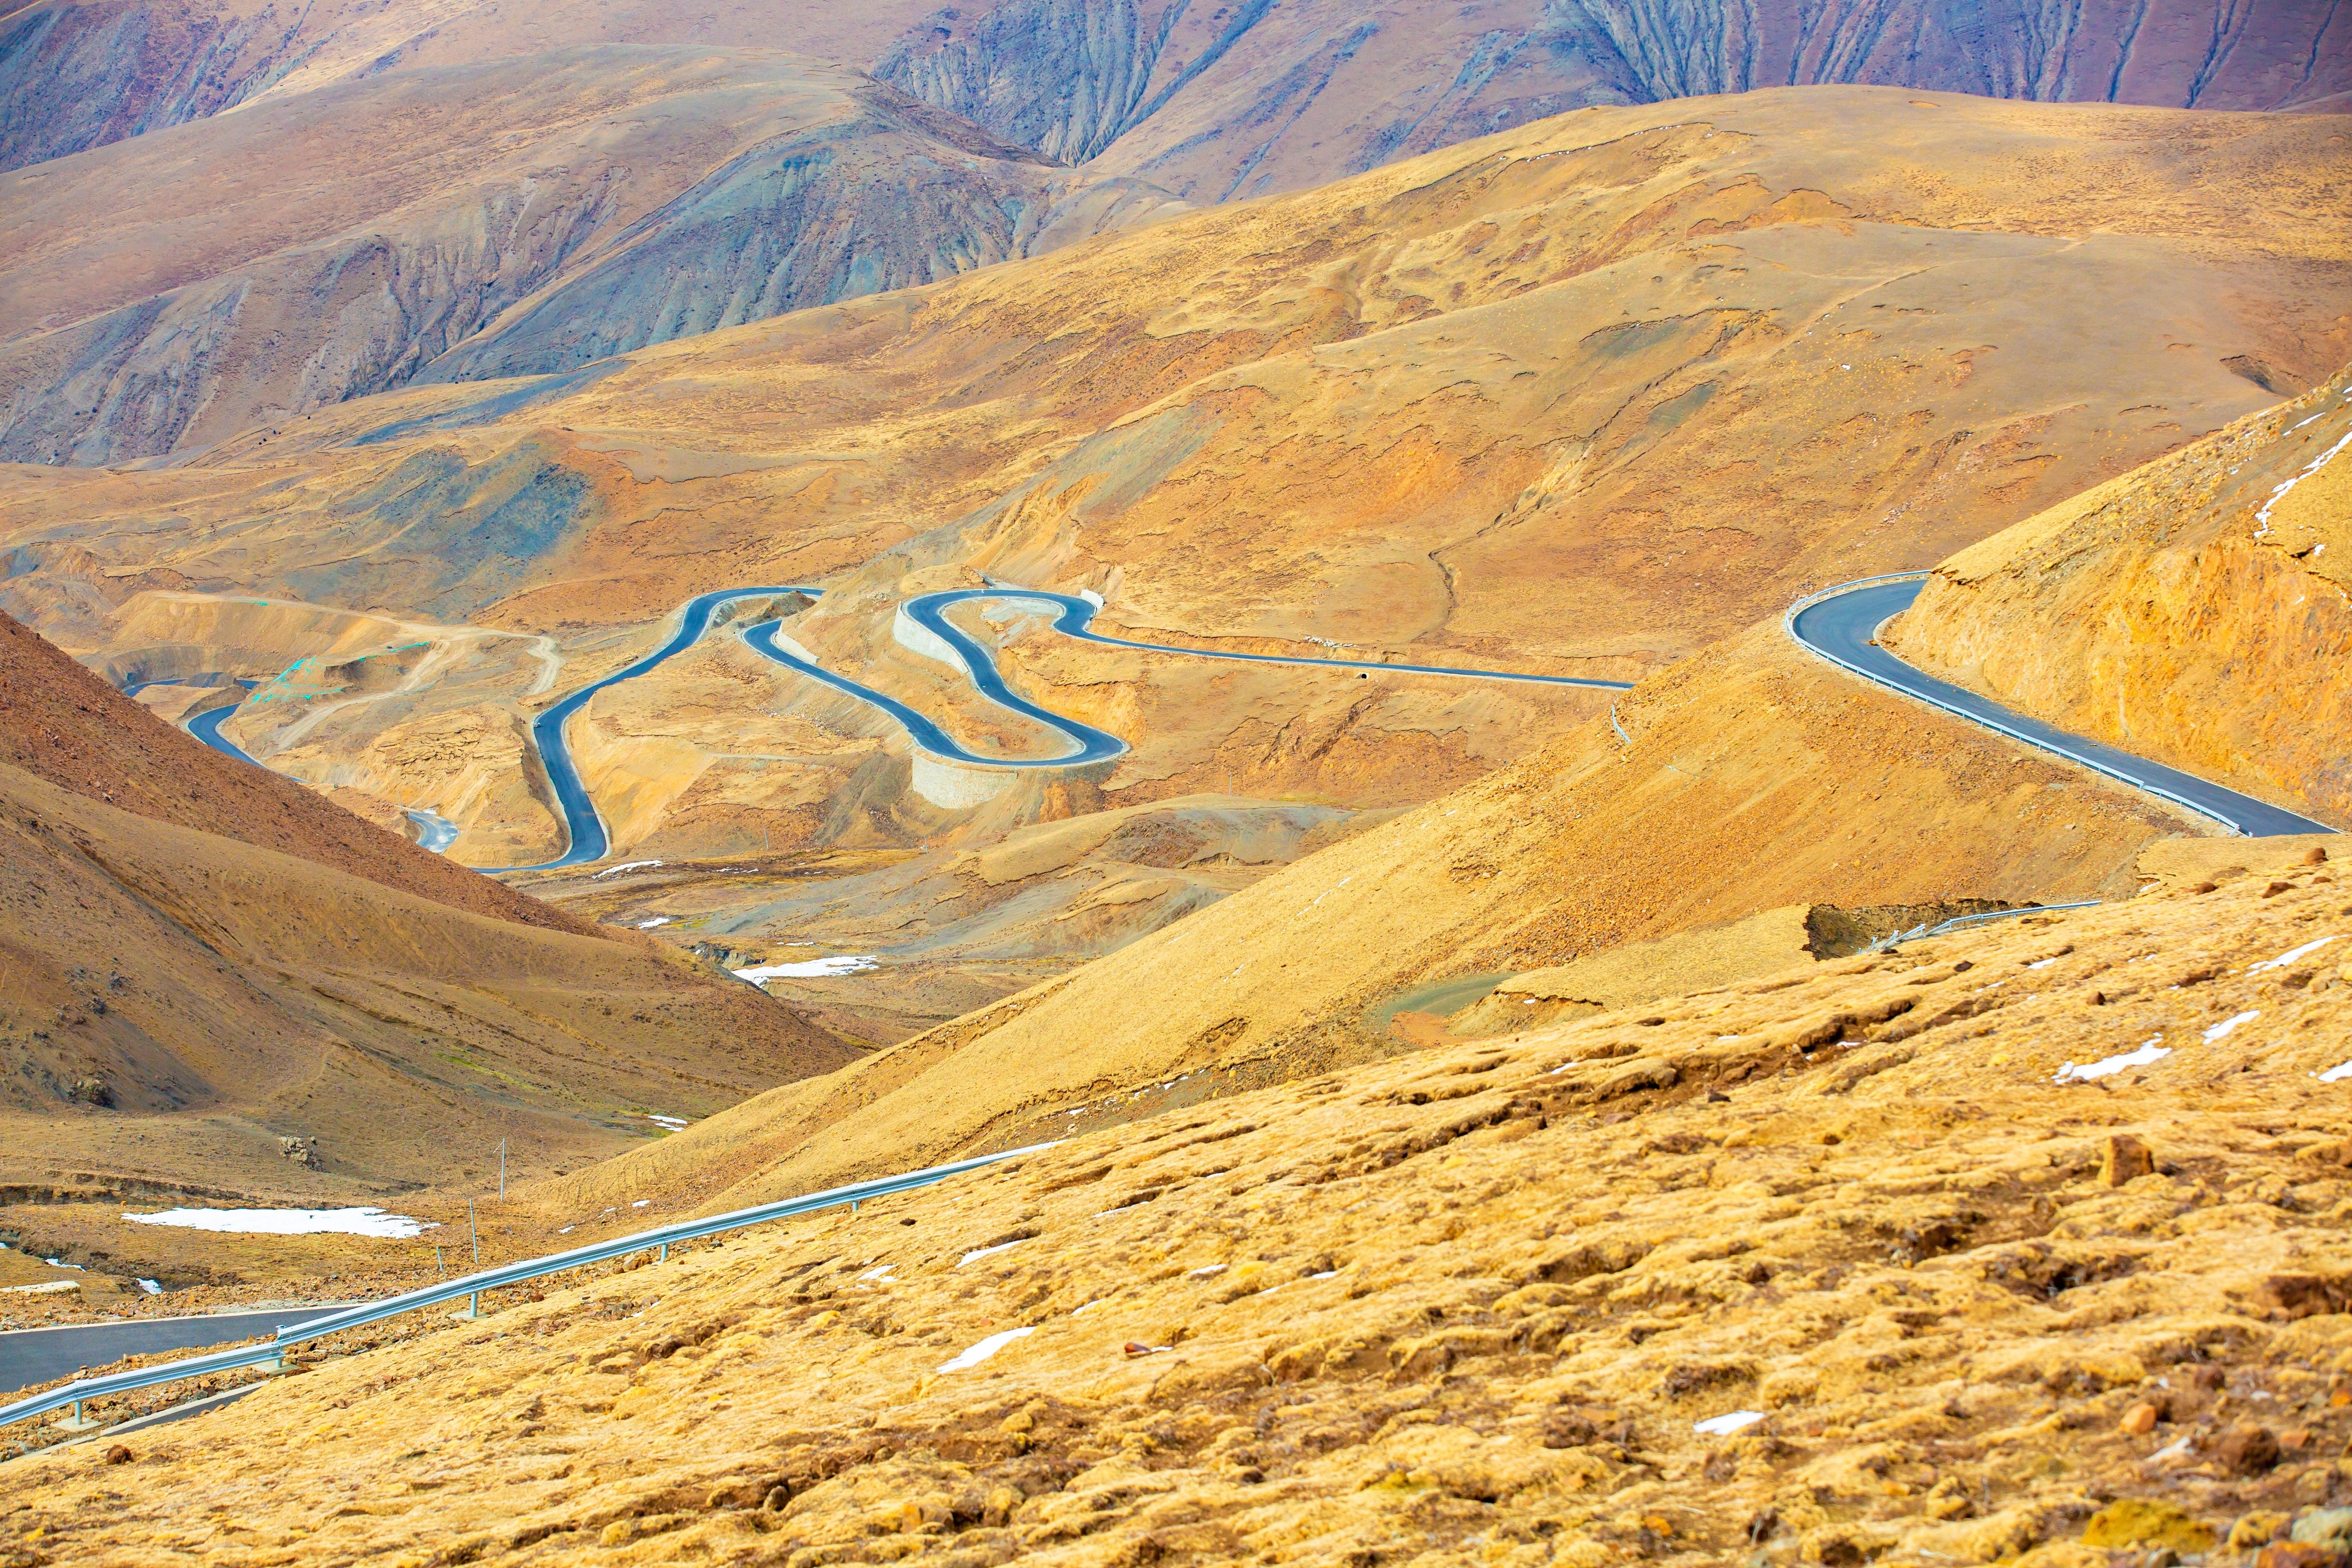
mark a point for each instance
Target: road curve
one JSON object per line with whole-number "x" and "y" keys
{"x": 29, "y": 1356}
{"x": 1078, "y": 614}
{"x": 583, "y": 824}
{"x": 1841, "y": 623}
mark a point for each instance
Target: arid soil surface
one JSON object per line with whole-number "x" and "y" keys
{"x": 2136, "y": 613}
{"x": 217, "y": 985}
{"x": 1233, "y": 101}
{"x": 1883, "y": 1258}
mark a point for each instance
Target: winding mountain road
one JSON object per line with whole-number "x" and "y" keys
{"x": 1841, "y": 625}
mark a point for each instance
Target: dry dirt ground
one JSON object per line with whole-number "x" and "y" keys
{"x": 1884, "y": 1259}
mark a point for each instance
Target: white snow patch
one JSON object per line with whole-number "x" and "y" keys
{"x": 976, "y": 1254}
{"x": 630, "y": 866}
{"x": 291, "y": 1222}
{"x": 2042, "y": 963}
{"x": 656, "y": 921}
{"x": 49, "y": 1288}
{"x": 1089, "y": 1306}
{"x": 1204, "y": 1272}
{"x": 2226, "y": 1025}
{"x": 1725, "y": 1426}
{"x": 640, "y": 1203}
{"x": 2337, "y": 1074}
{"x": 983, "y": 1350}
{"x": 815, "y": 968}
{"x": 2283, "y": 959}
{"x": 2264, "y": 516}
{"x": 675, "y": 1123}
{"x": 883, "y": 1273}
{"x": 1327, "y": 1274}
{"x": 2148, "y": 1053}
{"x": 150, "y": 1285}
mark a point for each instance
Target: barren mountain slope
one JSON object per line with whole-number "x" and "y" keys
{"x": 61, "y": 724}
{"x": 482, "y": 219}
{"x": 1758, "y": 777}
{"x": 198, "y": 959}
{"x": 1580, "y": 400}
{"x": 1236, "y": 99}
{"x": 1828, "y": 1271}
{"x": 2142, "y": 612}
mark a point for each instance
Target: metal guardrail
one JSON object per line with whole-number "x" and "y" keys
{"x": 657, "y": 1240}
{"x": 1790, "y": 623}
{"x": 1920, "y": 932}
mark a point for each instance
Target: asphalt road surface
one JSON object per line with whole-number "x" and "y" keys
{"x": 29, "y": 1356}
{"x": 1841, "y": 626}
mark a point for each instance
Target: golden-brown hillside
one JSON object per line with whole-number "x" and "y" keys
{"x": 1581, "y": 398}
{"x": 207, "y": 971}
{"x": 2198, "y": 612}
{"x": 2022, "y": 1247}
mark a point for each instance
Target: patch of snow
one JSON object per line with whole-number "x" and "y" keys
{"x": 1327, "y": 1274}
{"x": 49, "y": 1288}
{"x": 2264, "y": 516}
{"x": 54, "y": 1263}
{"x": 2042, "y": 963}
{"x": 291, "y": 1222}
{"x": 150, "y": 1285}
{"x": 567, "y": 1230}
{"x": 882, "y": 1273}
{"x": 1089, "y": 1306}
{"x": 2148, "y": 1053}
{"x": 839, "y": 963}
{"x": 628, "y": 866}
{"x": 675, "y": 1123}
{"x": 1724, "y": 1426}
{"x": 1204, "y": 1272}
{"x": 983, "y": 1350}
{"x": 2227, "y": 1024}
{"x": 2337, "y": 1074}
{"x": 656, "y": 921}
{"x": 978, "y": 1253}
{"x": 640, "y": 1203}
{"x": 2283, "y": 959}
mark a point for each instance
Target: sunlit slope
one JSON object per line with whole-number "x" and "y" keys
{"x": 198, "y": 961}
{"x": 1579, "y": 399}
{"x": 477, "y": 220}
{"x": 1218, "y": 102}
{"x": 2196, "y": 611}
{"x": 1758, "y": 777}
{"x": 1827, "y": 1270}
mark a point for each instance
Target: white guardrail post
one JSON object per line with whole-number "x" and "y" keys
{"x": 275, "y": 1352}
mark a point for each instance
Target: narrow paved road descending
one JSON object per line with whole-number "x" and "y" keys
{"x": 1839, "y": 624}
{"x": 30, "y": 1356}
{"x": 590, "y": 841}
{"x": 1078, "y": 614}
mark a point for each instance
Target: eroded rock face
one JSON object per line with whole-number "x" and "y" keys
{"x": 468, "y": 221}
{"x": 1754, "y": 1276}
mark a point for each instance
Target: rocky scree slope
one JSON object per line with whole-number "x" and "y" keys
{"x": 1236, "y": 99}
{"x": 1825, "y": 1269}
{"x": 481, "y": 220}
{"x": 2199, "y": 611}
